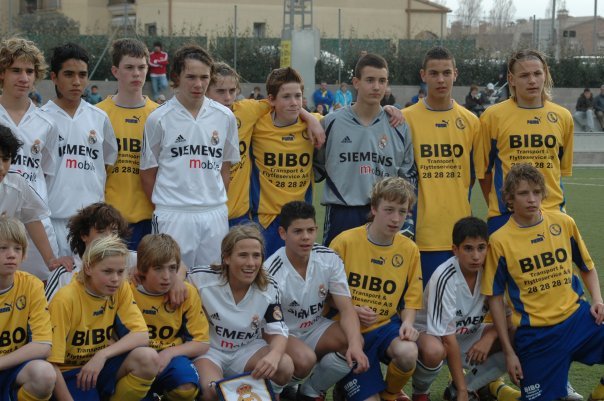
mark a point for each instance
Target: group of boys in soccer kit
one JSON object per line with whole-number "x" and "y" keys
{"x": 412, "y": 288}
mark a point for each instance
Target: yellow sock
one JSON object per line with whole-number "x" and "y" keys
{"x": 131, "y": 388}
{"x": 23, "y": 395}
{"x": 395, "y": 381}
{"x": 503, "y": 392}
{"x": 186, "y": 394}
{"x": 598, "y": 393}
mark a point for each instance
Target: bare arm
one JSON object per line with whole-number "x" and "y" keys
{"x": 317, "y": 134}
{"x": 26, "y": 353}
{"x": 225, "y": 172}
{"x": 349, "y": 321}
{"x": 407, "y": 331}
{"x": 148, "y": 181}
{"x": 455, "y": 365}
{"x": 485, "y": 186}
{"x": 511, "y": 359}
{"x": 590, "y": 278}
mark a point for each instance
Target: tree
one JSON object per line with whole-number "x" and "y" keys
{"x": 48, "y": 23}
{"x": 501, "y": 14}
{"x": 469, "y": 13}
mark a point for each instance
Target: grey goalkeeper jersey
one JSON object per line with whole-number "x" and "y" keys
{"x": 356, "y": 156}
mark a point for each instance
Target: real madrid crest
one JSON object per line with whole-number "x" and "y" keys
{"x": 322, "y": 291}
{"x": 277, "y": 314}
{"x": 246, "y": 394}
{"x": 215, "y": 138}
{"x": 92, "y": 139}
{"x": 35, "y": 148}
{"x": 255, "y": 322}
{"x": 383, "y": 142}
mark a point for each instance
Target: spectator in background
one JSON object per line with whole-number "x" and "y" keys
{"x": 256, "y": 95}
{"x": 584, "y": 116}
{"x": 388, "y": 99}
{"x": 489, "y": 95}
{"x": 323, "y": 96}
{"x": 94, "y": 97}
{"x": 161, "y": 99}
{"x": 35, "y": 97}
{"x": 599, "y": 107}
{"x": 475, "y": 101}
{"x": 158, "y": 67}
{"x": 343, "y": 95}
{"x": 320, "y": 109}
{"x": 420, "y": 95}
{"x": 305, "y": 104}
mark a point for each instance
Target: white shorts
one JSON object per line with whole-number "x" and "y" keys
{"x": 61, "y": 231}
{"x": 312, "y": 337}
{"x": 199, "y": 232}
{"x": 233, "y": 363}
{"x": 34, "y": 262}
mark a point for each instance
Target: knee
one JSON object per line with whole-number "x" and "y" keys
{"x": 432, "y": 356}
{"x": 285, "y": 370}
{"x": 404, "y": 354}
{"x": 145, "y": 361}
{"x": 41, "y": 378}
{"x": 305, "y": 362}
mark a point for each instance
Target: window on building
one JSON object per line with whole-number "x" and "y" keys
{"x": 259, "y": 29}
{"x": 151, "y": 29}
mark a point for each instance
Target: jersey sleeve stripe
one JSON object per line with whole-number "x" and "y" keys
{"x": 275, "y": 266}
{"x": 577, "y": 256}
{"x": 53, "y": 282}
{"x": 441, "y": 284}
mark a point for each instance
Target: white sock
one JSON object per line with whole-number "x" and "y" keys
{"x": 423, "y": 377}
{"x": 491, "y": 369}
{"x": 330, "y": 369}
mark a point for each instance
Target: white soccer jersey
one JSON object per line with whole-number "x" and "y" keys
{"x": 61, "y": 276}
{"x": 232, "y": 326}
{"x": 189, "y": 153}
{"x": 303, "y": 299}
{"x": 449, "y": 306}
{"x": 86, "y": 144}
{"x": 19, "y": 200}
{"x": 37, "y": 156}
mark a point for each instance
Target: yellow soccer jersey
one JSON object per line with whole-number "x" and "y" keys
{"x": 282, "y": 168}
{"x": 533, "y": 266}
{"x": 169, "y": 327}
{"x": 24, "y": 314}
{"x": 384, "y": 278}
{"x": 247, "y": 112}
{"x": 83, "y": 324}
{"x": 123, "y": 189}
{"x": 443, "y": 143}
{"x": 541, "y": 136}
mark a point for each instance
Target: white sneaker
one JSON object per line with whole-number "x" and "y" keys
{"x": 572, "y": 394}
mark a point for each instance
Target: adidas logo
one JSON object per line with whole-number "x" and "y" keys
{"x": 180, "y": 139}
{"x": 61, "y": 138}
{"x": 459, "y": 313}
{"x": 215, "y": 316}
{"x": 294, "y": 304}
{"x": 346, "y": 140}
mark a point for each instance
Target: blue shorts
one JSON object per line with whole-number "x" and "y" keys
{"x": 358, "y": 387}
{"x": 179, "y": 371}
{"x": 496, "y": 222}
{"x": 272, "y": 239}
{"x": 137, "y": 232}
{"x": 239, "y": 220}
{"x": 430, "y": 260}
{"x": 105, "y": 384}
{"x": 8, "y": 390}
{"x": 546, "y": 353}
{"x": 340, "y": 218}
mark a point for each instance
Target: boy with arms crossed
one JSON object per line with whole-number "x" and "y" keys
{"x": 178, "y": 335}
{"x": 451, "y": 324}
{"x": 530, "y": 260}
{"x": 25, "y": 322}
{"x": 444, "y": 135}
{"x": 528, "y": 128}
{"x": 308, "y": 274}
{"x": 361, "y": 147}
{"x": 86, "y": 142}
{"x": 188, "y": 147}
{"x": 21, "y": 66}
{"x": 384, "y": 276}
{"x": 128, "y": 110}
